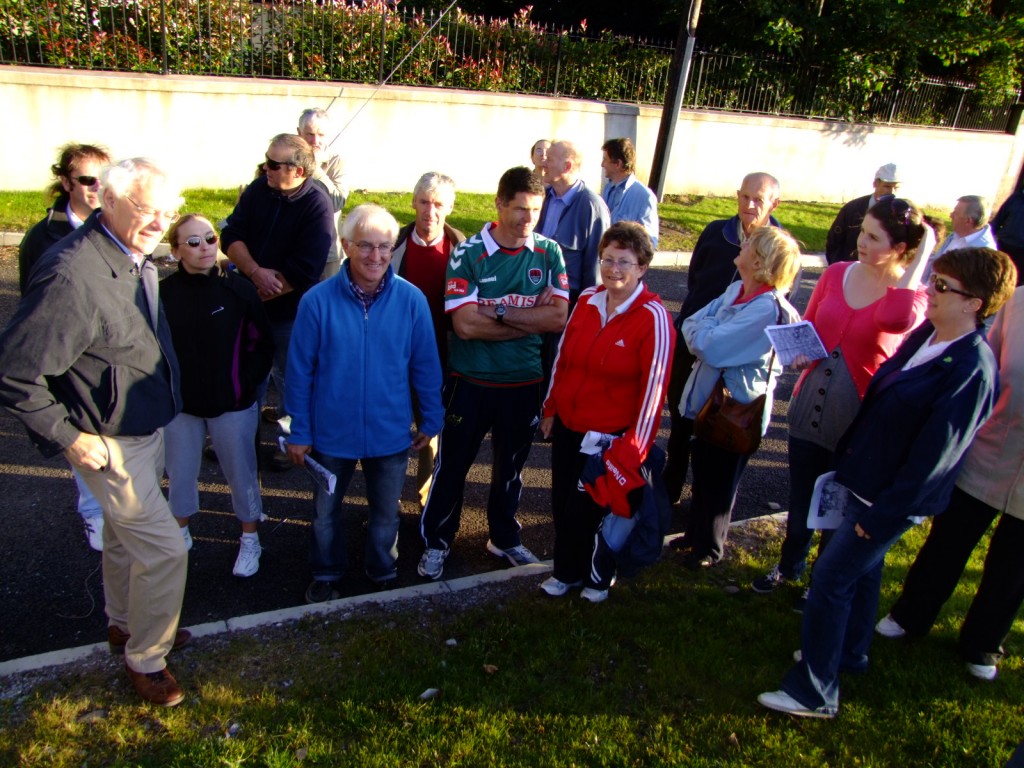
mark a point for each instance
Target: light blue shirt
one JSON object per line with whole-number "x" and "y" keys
{"x": 629, "y": 200}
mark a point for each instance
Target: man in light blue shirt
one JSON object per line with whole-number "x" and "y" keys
{"x": 626, "y": 197}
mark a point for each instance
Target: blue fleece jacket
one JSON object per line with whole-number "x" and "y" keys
{"x": 352, "y": 373}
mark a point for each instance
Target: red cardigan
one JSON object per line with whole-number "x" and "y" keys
{"x": 869, "y": 336}
{"x": 612, "y": 379}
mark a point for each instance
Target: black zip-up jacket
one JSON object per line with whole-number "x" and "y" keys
{"x": 289, "y": 233}
{"x": 222, "y": 338}
{"x": 41, "y": 237}
{"x": 80, "y": 355}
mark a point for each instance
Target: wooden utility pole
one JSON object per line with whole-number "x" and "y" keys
{"x": 679, "y": 71}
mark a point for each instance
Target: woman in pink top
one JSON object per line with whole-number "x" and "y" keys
{"x": 862, "y": 310}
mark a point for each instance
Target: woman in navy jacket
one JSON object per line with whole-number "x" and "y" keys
{"x": 899, "y": 460}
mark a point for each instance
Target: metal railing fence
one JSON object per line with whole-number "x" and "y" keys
{"x": 366, "y": 42}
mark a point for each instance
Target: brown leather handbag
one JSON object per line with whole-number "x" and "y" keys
{"x": 728, "y": 424}
{"x": 731, "y": 425}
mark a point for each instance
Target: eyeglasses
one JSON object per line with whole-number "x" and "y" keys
{"x": 153, "y": 213}
{"x": 275, "y": 165}
{"x": 365, "y": 249}
{"x": 941, "y": 286}
{"x": 195, "y": 241}
{"x": 87, "y": 181}
{"x": 621, "y": 265}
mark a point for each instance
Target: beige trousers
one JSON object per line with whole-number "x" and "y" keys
{"x": 425, "y": 470}
{"x": 144, "y": 557}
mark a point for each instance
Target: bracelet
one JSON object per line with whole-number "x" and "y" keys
{"x": 254, "y": 271}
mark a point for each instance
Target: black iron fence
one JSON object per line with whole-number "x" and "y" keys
{"x": 368, "y": 42}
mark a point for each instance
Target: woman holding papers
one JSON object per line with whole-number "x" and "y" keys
{"x": 862, "y": 310}
{"x": 608, "y": 378}
{"x": 898, "y": 459}
{"x": 224, "y": 346}
{"x": 728, "y": 339}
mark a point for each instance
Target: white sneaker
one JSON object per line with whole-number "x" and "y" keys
{"x": 983, "y": 671}
{"x": 432, "y": 563}
{"x": 594, "y": 595}
{"x": 94, "y": 531}
{"x": 187, "y": 537}
{"x": 556, "y": 588}
{"x": 889, "y": 627}
{"x": 516, "y": 555}
{"x": 248, "y": 561}
{"x": 781, "y": 701}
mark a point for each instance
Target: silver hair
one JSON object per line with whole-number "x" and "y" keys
{"x": 368, "y": 215}
{"x": 977, "y": 208}
{"x": 432, "y": 181}
{"x": 122, "y": 177}
{"x": 773, "y": 183}
{"x": 309, "y": 115}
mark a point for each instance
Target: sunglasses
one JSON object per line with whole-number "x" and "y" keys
{"x": 274, "y": 165}
{"x": 900, "y": 209}
{"x": 941, "y": 286}
{"x": 195, "y": 241}
{"x": 87, "y": 181}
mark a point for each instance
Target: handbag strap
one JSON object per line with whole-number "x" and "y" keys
{"x": 778, "y": 321}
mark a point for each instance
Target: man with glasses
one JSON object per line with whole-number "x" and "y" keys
{"x": 89, "y": 367}
{"x": 362, "y": 350}
{"x": 504, "y": 288}
{"x": 76, "y": 188}
{"x": 278, "y": 236}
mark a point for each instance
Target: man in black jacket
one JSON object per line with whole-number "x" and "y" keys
{"x": 841, "y": 243}
{"x": 279, "y": 236}
{"x": 88, "y": 366}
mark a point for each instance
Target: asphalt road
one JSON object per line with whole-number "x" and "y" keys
{"x": 51, "y": 593}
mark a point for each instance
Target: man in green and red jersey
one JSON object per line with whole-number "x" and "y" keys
{"x": 505, "y": 286}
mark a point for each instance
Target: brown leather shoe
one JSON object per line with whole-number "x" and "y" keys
{"x": 117, "y": 639}
{"x": 158, "y": 688}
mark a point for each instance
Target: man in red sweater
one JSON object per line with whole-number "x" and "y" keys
{"x": 420, "y": 256}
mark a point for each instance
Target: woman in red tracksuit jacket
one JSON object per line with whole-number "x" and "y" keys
{"x": 609, "y": 378}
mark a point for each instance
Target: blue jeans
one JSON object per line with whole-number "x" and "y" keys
{"x": 807, "y": 461}
{"x": 839, "y": 618}
{"x": 328, "y": 550}
{"x": 233, "y": 435}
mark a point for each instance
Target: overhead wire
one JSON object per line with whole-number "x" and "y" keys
{"x": 391, "y": 74}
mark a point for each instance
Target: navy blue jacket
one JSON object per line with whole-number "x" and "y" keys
{"x": 906, "y": 445}
{"x": 711, "y": 266}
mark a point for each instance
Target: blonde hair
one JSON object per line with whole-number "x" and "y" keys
{"x": 779, "y": 255}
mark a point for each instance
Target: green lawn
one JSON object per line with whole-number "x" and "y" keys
{"x": 682, "y": 218}
{"x": 665, "y": 673}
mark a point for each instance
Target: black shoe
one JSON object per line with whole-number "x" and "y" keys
{"x": 321, "y": 592}
{"x": 680, "y": 544}
{"x": 280, "y": 462}
{"x": 801, "y": 602}
{"x": 270, "y": 414}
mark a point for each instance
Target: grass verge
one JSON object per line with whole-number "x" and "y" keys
{"x": 682, "y": 217}
{"x": 664, "y": 673}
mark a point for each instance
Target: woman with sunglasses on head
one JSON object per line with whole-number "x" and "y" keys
{"x": 899, "y": 461}
{"x": 608, "y": 378}
{"x": 224, "y": 346}
{"x": 728, "y": 340}
{"x": 862, "y": 310}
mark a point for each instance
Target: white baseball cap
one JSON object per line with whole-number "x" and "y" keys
{"x": 888, "y": 173}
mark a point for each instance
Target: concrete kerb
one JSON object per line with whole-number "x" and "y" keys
{"x": 255, "y": 620}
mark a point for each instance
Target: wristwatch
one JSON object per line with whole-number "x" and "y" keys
{"x": 499, "y": 313}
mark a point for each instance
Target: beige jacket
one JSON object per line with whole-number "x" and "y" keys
{"x": 994, "y": 469}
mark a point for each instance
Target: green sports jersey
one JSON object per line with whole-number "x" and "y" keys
{"x": 482, "y": 272}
